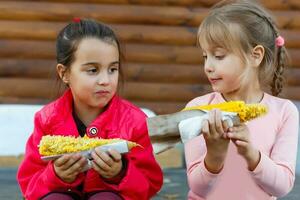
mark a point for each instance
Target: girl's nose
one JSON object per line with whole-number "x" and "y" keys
{"x": 103, "y": 78}
{"x": 208, "y": 66}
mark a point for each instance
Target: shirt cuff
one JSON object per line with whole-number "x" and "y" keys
{"x": 264, "y": 161}
{"x": 207, "y": 172}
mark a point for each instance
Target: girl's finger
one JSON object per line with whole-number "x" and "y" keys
{"x": 77, "y": 166}
{"x": 62, "y": 160}
{"x": 227, "y": 124}
{"x": 73, "y": 159}
{"x": 205, "y": 128}
{"x": 241, "y": 143}
{"x": 104, "y": 157}
{"x": 115, "y": 155}
{"x": 237, "y": 136}
{"x": 211, "y": 122}
{"x": 218, "y": 122}
{"x": 101, "y": 164}
{"x": 99, "y": 170}
{"x": 238, "y": 128}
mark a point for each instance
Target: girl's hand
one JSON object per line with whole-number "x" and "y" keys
{"x": 109, "y": 164}
{"x": 214, "y": 133}
{"x": 69, "y": 166}
{"x": 240, "y": 137}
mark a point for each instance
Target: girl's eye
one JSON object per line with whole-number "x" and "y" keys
{"x": 204, "y": 57}
{"x": 219, "y": 57}
{"x": 92, "y": 70}
{"x": 113, "y": 69}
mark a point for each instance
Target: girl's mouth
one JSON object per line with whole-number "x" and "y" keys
{"x": 214, "y": 80}
{"x": 102, "y": 92}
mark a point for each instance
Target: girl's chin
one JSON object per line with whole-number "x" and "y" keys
{"x": 222, "y": 90}
{"x": 101, "y": 104}
{"x": 217, "y": 89}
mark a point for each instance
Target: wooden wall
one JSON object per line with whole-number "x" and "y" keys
{"x": 163, "y": 65}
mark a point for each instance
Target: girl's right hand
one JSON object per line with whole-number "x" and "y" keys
{"x": 68, "y": 166}
{"x": 213, "y": 131}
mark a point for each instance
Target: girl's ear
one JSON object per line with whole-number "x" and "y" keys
{"x": 62, "y": 72}
{"x": 258, "y": 53}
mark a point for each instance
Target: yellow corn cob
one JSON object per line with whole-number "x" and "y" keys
{"x": 245, "y": 112}
{"x": 54, "y": 145}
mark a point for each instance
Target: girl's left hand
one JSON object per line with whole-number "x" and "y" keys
{"x": 240, "y": 137}
{"x": 109, "y": 164}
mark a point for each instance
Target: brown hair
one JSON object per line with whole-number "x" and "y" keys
{"x": 255, "y": 26}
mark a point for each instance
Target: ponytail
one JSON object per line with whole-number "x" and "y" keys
{"x": 281, "y": 59}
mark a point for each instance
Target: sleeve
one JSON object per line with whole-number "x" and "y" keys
{"x": 144, "y": 177}
{"x": 276, "y": 174}
{"x": 200, "y": 180}
{"x": 36, "y": 177}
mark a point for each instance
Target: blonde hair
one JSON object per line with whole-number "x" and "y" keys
{"x": 239, "y": 26}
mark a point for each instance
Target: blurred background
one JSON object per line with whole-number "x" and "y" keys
{"x": 163, "y": 66}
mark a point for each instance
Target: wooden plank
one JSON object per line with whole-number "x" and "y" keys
{"x": 165, "y": 73}
{"x": 175, "y": 35}
{"x": 284, "y": 18}
{"x": 27, "y": 88}
{"x": 133, "y": 52}
{"x": 137, "y": 72}
{"x": 45, "y": 88}
{"x": 32, "y": 30}
{"x": 27, "y": 68}
{"x": 291, "y": 92}
{"x": 134, "y": 72}
{"x": 292, "y": 77}
{"x": 35, "y": 30}
{"x": 18, "y": 100}
{"x": 164, "y": 91}
{"x": 294, "y": 57}
{"x": 137, "y": 2}
{"x": 292, "y": 38}
{"x": 274, "y": 4}
{"x": 128, "y": 14}
{"x": 27, "y": 49}
{"x": 281, "y": 5}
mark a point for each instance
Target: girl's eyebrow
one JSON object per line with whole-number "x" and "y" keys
{"x": 116, "y": 62}
{"x": 91, "y": 63}
{"x": 96, "y": 63}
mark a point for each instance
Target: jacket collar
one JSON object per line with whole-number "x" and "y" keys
{"x": 106, "y": 121}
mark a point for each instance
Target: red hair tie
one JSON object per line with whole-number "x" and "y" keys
{"x": 76, "y": 19}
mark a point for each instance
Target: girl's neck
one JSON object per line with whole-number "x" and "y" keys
{"x": 248, "y": 95}
{"x": 87, "y": 114}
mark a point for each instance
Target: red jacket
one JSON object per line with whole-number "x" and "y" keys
{"x": 120, "y": 120}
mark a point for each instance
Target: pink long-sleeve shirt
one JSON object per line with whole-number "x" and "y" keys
{"x": 275, "y": 135}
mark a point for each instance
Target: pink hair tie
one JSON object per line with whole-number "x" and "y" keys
{"x": 76, "y": 19}
{"x": 279, "y": 41}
